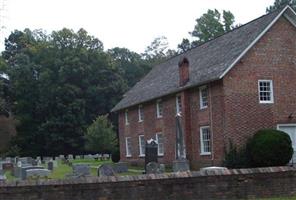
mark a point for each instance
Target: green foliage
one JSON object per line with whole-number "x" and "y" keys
{"x": 235, "y": 157}
{"x": 59, "y": 83}
{"x": 270, "y": 147}
{"x": 158, "y": 51}
{"x": 209, "y": 26}
{"x": 278, "y": 4}
{"x": 131, "y": 65}
{"x": 100, "y": 136}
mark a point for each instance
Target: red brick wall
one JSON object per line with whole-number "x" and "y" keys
{"x": 234, "y": 111}
{"x": 272, "y": 58}
{"x": 259, "y": 183}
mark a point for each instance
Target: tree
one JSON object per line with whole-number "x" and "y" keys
{"x": 100, "y": 135}
{"x": 278, "y": 4}
{"x": 59, "y": 83}
{"x": 185, "y": 45}
{"x": 209, "y": 26}
{"x": 158, "y": 51}
{"x": 131, "y": 65}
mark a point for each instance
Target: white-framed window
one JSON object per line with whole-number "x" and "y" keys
{"x": 159, "y": 108}
{"x": 128, "y": 146}
{"x": 205, "y": 140}
{"x": 142, "y": 145}
{"x": 265, "y": 90}
{"x": 160, "y": 142}
{"x": 203, "y": 97}
{"x": 126, "y": 117}
{"x": 178, "y": 104}
{"x": 141, "y": 113}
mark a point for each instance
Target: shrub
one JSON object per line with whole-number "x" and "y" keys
{"x": 115, "y": 156}
{"x": 235, "y": 157}
{"x": 270, "y": 147}
{"x": 100, "y": 136}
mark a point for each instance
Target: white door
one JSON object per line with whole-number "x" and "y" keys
{"x": 291, "y": 131}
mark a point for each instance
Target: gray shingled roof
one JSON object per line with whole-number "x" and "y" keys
{"x": 207, "y": 63}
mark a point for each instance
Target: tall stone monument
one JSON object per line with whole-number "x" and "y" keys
{"x": 181, "y": 163}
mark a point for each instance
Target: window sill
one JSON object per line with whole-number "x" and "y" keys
{"x": 205, "y": 154}
{"x": 266, "y": 102}
{"x": 141, "y": 156}
{"x": 159, "y": 117}
{"x": 140, "y": 121}
{"x": 160, "y": 155}
{"x": 128, "y": 156}
{"x": 203, "y": 108}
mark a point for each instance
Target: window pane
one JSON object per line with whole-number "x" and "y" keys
{"x": 205, "y": 140}
{"x": 265, "y": 91}
{"x": 159, "y": 138}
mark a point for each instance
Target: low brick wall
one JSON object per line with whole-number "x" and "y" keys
{"x": 229, "y": 184}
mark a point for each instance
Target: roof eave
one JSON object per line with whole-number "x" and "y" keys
{"x": 180, "y": 89}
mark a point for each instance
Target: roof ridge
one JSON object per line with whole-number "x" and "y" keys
{"x": 232, "y": 30}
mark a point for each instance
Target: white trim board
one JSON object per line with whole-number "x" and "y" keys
{"x": 256, "y": 40}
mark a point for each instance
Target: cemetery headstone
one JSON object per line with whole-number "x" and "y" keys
{"x": 55, "y": 163}
{"x": 106, "y": 170}
{"x": 120, "y": 167}
{"x": 7, "y": 166}
{"x": 106, "y": 156}
{"x": 81, "y": 170}
{"x": 23, "y": 174}
{"x": 50, "y": 165}
{"x": 78, "y": 157}
{"x": 152, "y": 168}
{"x": 181, "y": 163}
{"x": 2, "y": 178}
{"x": 70, "y": 157}
{"x": 37, "y": 173}
{"x": 39, "y": 163}
{"x": 8, "y": 159}
{"x": 151, "y": 152}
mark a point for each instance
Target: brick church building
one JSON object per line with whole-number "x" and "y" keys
{"x": 225, "y": 89}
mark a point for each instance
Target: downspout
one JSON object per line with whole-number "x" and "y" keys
{"x": 211, "y": 124}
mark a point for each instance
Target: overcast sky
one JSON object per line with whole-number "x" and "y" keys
{"x": 125, "y": 23}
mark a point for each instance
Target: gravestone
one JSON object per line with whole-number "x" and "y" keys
{"x": 62, "y": 157}
{"x": 34, "y": 162}
{"x": 106, "y": 170}
{"x": 106, "y": 156}
{"x": 78, "y": 157}
{"x": 8, "y": 159}
{"x": 2, "y": 178}
{"x": 100, "y": 157}
{"x": 81, "y": 170}
{"x": 39, "y": 163}
{"x": 37, "y": 173}
{"x": 181, "y": 163}
{"x": 55, "y": 163}
{"x": 7, "y": 166}
{"x": 24, "y": 171}
{"x": 155, "y": 168}
{"x": 151, "y": 152}
{"x": 70, "y": 157}
{"x": 120, "y": 167}
{"x": 50, "y": 165}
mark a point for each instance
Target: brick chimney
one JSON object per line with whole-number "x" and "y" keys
{"x": 183, "y": 71}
